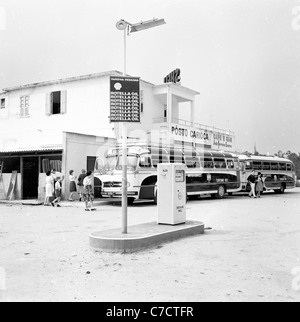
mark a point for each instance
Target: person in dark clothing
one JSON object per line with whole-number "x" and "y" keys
{"x": 80, "y": 184}
{"x": 252, "y": 180}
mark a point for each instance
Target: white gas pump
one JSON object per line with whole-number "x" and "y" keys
{"x": 171, "y": 194}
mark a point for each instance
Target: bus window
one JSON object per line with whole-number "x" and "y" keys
{"x": 156, "y": 159}
{"x": 282, "y": 166}
{"x": 237, "y": 163}
{"x": 192, "y": 162}
{"x": 220, "y": 163}
{"x": 208, "y": 163}
{"x": 230, "y": 164}
{"x": 176, "y": 156}
{"x": 289, "y": 167}
{"x": 110, "y": 163}
{"x": 145, "y": 161}
{"x": 249, "y": 165}
{"x": 266, "y": 166}
{"x": 257, "y": 165}
{"x": 274, "y": 166}
{"x": 131, "y": 163}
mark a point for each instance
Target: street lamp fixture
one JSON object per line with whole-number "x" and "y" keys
{"x": 128, "y": 27}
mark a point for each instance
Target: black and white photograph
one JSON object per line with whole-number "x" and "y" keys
{"x": 149, "y": 153}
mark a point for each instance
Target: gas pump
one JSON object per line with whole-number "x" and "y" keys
{"x": 171, "y": 193}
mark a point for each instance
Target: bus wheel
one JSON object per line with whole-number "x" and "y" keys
{"x": 221, "y": 192}
{"x": 130, "y": 201}
{"x": 281, "y": 190}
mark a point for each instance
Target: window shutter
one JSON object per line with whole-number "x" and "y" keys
{"x": 48, "y": 103}
{"x": 63, "y": 102}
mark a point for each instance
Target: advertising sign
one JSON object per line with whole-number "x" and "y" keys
{"x": 191, "y": 135}
{"x": 124, "y": 99}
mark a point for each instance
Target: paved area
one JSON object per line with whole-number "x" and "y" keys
{"x": 251, "y": 253}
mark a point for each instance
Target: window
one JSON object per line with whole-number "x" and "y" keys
{"x": 156, "y": 159}
{"x": 220, "y": 163}
{"x": 282, "y": 166}
{"x": 145, "y": 161}
{"x": 274, "y": 166}
{"x": 192, "y": 161}
{"x": 176, "y": 156}
{"x": 230, "y": 164}
{"x": 266, "y": 166}
{"x": 289, "y": 167}
{"x": 249, "y": 165}
{"x": 257, "y": 165}
{"x": 56, "y": 103}
{"x": 2, "y": 103}
{"x": 24, "y": 106}
{"x": 208, "y": 163}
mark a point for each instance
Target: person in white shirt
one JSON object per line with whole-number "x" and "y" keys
{"x": 88, "y": 193}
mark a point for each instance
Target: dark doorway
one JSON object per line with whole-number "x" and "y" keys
{"x": 30, "y": 178}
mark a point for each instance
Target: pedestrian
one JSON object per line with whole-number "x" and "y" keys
{"x": 259, "y": 185}
{"x": 252, "y": 180}
{"x": 88, "y": 194}
{"x": 73, "y": 189}
{"x": 80, "y": 184}
{"x": 49, "y": 188}
{"x": 57, "y": 192}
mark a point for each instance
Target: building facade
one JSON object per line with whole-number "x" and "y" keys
{"x": 65, "y": 124}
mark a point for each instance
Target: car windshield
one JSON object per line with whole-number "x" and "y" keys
{"x": 131, "y": 163}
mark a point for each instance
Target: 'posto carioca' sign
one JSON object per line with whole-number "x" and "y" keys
{"x": 188, "y": 134}
{"x": 173, "y": 77}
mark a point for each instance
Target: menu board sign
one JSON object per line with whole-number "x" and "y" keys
{"x": 124, "y": 99}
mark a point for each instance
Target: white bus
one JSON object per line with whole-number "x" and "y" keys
{"x": 207, "y": 172}
{"x": 278, "y": 173}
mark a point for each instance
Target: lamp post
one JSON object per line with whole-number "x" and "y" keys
{"x": 129, "y": 28}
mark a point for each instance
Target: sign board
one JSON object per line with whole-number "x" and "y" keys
{"x": 124, "y": 99}
{"x": 223, "y": 141}
{"x": 173, "y": 77}
{"x": 191, "y": 135}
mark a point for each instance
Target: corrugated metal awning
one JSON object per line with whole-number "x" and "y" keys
{"x": 32, "y": 149}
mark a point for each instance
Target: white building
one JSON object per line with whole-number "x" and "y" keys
{"x": 65, "y": 124}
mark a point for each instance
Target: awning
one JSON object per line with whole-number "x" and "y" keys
{"x": 32, "y": 149}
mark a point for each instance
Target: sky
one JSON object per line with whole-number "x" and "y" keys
{"x": 243, "y": 56}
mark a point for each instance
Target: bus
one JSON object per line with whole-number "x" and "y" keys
{"x": 278, "y": 173}
{"x": 207, "y": 172}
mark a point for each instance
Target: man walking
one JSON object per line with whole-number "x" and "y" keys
{"x": 252, "y": 179}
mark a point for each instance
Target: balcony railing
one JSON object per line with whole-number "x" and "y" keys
{"x": 199, "y": 126}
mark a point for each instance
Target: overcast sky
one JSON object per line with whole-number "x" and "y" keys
{"x": 243, "y": 56}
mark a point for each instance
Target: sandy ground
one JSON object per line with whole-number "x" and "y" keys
{"x": 252, "y": 253}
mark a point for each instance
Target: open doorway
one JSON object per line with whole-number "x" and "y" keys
{"x": 30, "y": 177}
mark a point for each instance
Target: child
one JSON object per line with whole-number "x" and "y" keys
{"x": 57, "y": 188}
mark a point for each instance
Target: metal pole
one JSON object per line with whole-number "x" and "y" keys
{"x": 124, "y": 154}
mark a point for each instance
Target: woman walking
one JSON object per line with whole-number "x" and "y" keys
{"x": 49, "y": 188}
{"x": 80, "y": 184}
{"x": 88, "y": 194}
{"x": 72, "y": 179}
{"x": 259, "y": 185}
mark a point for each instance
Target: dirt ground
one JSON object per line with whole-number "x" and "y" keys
{"x": 251, "y": 253}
